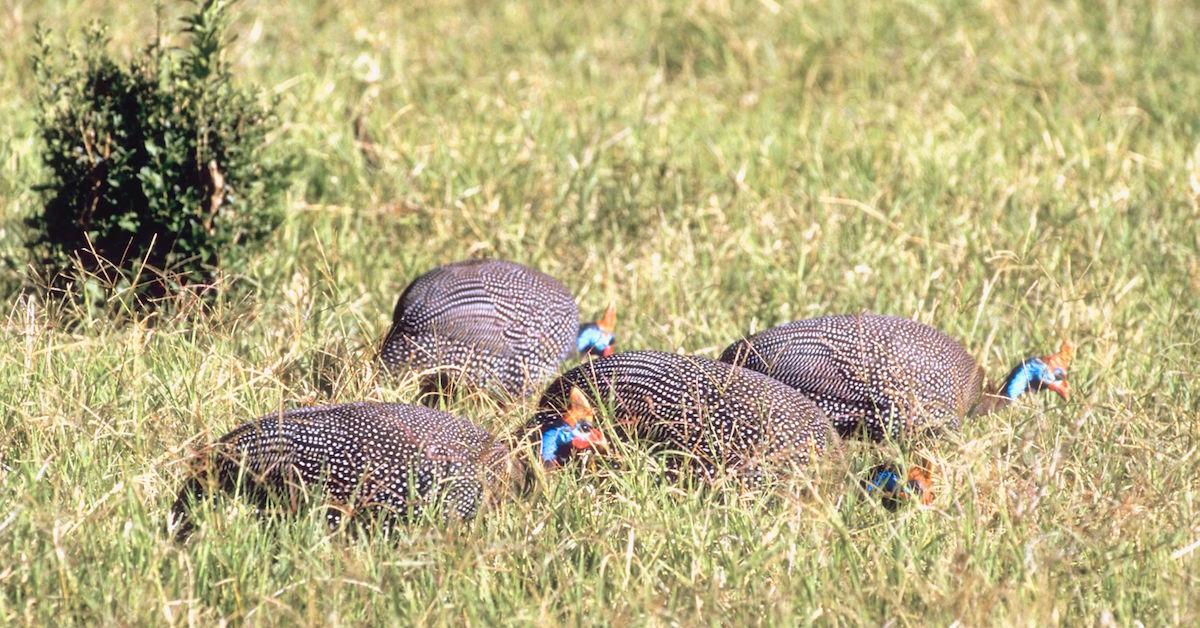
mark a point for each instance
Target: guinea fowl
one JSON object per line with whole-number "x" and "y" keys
{"x": 492, "y": 324}
{"x": 888, "y": 376}
{"x": 389, "y": 461}
{"x": 704, "y": 414}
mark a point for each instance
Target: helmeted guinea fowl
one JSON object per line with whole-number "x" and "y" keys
{"x": 494, "y": 324}
{"x": 384, "y": 459}
{"x": 888, "y": 376}
{"x": 707, "y": 415}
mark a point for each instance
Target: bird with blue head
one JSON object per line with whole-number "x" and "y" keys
{"x": 891, "y": 378}
{"x": 701, "y": 416}
{"x": 1033, "y": 374}
{"x": 888, "y": 377}
{"x": 1040, "y": 373}
{"x": 887, "y": 483}
{"x": 596, "y": 339}
{"x": 570, "y": 433}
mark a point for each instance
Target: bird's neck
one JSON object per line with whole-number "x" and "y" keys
{"x": 554, "y": 440}
{"x": 1018, "y": 380}
{"x": 992, "y": 402}
{"x": 588, "y": 335}
{"x": 1013, "y": 386}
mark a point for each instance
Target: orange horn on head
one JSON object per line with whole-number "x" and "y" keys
{"x": 1062, "y": 359}
{"x": 608, "y": 322}
{"x": 578, "y": 409}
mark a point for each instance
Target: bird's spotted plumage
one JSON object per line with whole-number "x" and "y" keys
{"x": 708, "y": 414}
{"x": 883, "y": 375}
{"x": 390, "y": 460}
{"x": 493, "y": 324}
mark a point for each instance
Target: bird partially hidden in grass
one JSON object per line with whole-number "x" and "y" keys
{"x": 570, "y": 432}
{"x": 492, "y": 325}
{"x": 890, "y": 378}
{"x": 700, "y": 414}
{"x": 893, "y": 490}
{"x": 887, "y": 377}
{"x": 386, "y": 462}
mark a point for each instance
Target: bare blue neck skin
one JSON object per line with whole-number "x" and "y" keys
{"x": 1022, "y": 376}
{"x": 592, "y": 337}
{"x": 556, "y": 443}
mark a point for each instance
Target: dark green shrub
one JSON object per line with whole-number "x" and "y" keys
{"x": 157, "y": 170}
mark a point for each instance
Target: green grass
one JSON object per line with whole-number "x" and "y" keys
{"x": 1007, "y": 171}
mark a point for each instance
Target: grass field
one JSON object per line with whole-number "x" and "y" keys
{"x": 1005, "y": 170}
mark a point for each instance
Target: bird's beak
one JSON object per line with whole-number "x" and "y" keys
{"x": 1059, "y": 387}
{"x": 920, "y": 485}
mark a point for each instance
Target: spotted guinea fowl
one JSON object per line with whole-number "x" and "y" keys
{"x": 493, "y": 324}
{"x": 383, "y": 459}
{"x": 705, "y": 414}
{"x": 887, "y": 375}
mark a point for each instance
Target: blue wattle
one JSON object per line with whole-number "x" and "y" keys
{"x": 553, "y": 440}
{"x": 1019, "y": 380}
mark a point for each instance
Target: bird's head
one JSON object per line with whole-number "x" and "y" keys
{"x": 1041, "y": 373}
{"x": 572, "y": 432}
{"x": 596, "y": 338}
{"x": 887, "y": 483}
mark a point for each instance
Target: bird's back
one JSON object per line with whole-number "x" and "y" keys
{"x": 361, "y": 456}
{"x": 716, "y": 414}
{"x": 488, "y": 321}
{"x": 881, "y": 374}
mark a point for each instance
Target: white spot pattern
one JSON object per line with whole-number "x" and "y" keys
{"x": 390, "y": 460}
{"x": 489, "y": 323}
{"x": 884, "y": 375}
{"x": 707, "y": 414}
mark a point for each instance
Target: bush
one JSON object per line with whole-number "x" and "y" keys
{"x": 158, "y": 170}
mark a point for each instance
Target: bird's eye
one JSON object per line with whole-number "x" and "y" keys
{"x": 1059, "y": 373}
{"x": 585, "y": 428}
